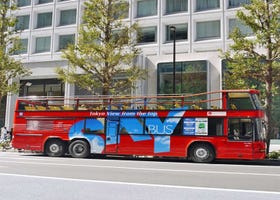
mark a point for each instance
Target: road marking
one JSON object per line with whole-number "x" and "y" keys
{"x": 141, "y": 184}
{"x": 146, "y": 168}
{"x": 212, "y": 165}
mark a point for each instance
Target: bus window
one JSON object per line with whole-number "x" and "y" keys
{"x": 215, "y": 126}
{"x": 240, "y": 129}
{"x": 240, "y": 101}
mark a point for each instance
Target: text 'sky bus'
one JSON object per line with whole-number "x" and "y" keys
{"x": 227, "y": 124}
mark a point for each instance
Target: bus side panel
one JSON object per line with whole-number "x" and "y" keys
{"x": 159, "y": 145}
{"x": 31, "y": 133}
{"x": 259, "y": 150}
{"x": 23, "y": 139}
{"x": 135, "y": 145}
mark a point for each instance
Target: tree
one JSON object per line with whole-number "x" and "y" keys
{"x": 9, "y": 45}
{"x": 105, "y": 50}
{"x": 254, "y": 61}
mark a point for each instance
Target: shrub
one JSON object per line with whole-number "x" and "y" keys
{"x": 274, "y": 155}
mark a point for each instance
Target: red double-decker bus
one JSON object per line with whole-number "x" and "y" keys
{"x": 226, "y": 124}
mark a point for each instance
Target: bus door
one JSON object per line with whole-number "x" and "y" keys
{"x": 112, "y": 128}
{"x": 240, "y": 138}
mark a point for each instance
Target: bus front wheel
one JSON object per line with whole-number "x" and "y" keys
{"x": 202, "y": 153}
{"x": 79, "y": 149}
{"x": 55, "y": 148}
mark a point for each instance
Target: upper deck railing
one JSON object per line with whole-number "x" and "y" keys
{"x": 209, "y": 100}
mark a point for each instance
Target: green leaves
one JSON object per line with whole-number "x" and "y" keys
{"x": 105, "y": 51}
{"x": 9, "y": 44}
{"x": 254, "y": 62}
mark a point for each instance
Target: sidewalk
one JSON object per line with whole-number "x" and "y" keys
{"x": 8, "y": 150}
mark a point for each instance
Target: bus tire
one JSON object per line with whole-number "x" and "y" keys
{"x": 55, "y": 148}
{"x": 79, "y": 149}
{"x": 202, "y": 153}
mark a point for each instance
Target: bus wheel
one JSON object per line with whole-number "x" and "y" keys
{"x": 55, "y": 148}
{"x": 202, "y": 153}
{"x": 79, "y": 149}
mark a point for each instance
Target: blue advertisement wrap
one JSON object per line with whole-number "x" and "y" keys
{"x": 133, "y": 124}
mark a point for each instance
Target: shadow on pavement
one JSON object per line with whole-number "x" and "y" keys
{"x": 266, "y": 162}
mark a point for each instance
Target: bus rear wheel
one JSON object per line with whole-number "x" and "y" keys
{"x": 202, "y": 153}
{"x": 55, "y": 148}
{"x": 79, "y": 149}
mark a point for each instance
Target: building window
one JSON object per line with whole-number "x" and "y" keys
{"x": 43, "y": 44}
{"x": 207, "y": 4}
{"x": 23, "y": 47}
{"x": 146, "y": 8}
{"x": 208, "y": 30}
{"x": 44, "y": 20}
{"x": 237, "y": 3}
{"x": 181, "y": 32}
{"x": 123, "y": 12}
{"x": 190, "y": 77}
{"x": 44, "y": 1}
{"x": 22, "y": 3}
{"x": 235, "y": 23}
{"x": 22, "y": 22}
{"x": 147, "y": 35}
{"x": 41, "y": 87}
{"x": 65, "y": 40}
{"x": 175, "y": 6}
{"x": 67, "y": 17}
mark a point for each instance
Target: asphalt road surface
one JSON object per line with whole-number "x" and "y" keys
{"x": 26, "y": 176}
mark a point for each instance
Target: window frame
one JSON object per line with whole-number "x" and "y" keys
{"x": 19, "y": 26}
{"x": 65, "y": 23}
{"x": 169, "y": 34}
{"x": 45, "y": 24}
{"x": 151, "y": 13}
{"x": 145, "y": 33}
{"x": 169, "y": 11}
{"x": 207, "y": 34}
{"x": 208, "y": 6}
{"x": 42, "y": 51}
{"x": 60, "y": 46}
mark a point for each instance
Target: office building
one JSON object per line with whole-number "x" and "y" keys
{"x": 202, "y": 28}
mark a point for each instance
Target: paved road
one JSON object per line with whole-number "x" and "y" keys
{"x": 28, "y": 176}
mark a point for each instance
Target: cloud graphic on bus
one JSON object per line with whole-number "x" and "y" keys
{"x": 97, "y": 144}
{"x": 162, "y": 144}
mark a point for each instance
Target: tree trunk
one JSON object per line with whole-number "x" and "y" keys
{"x": 268, "y": 104}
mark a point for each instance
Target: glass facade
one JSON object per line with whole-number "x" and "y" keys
{"x": 43, "y": 44}
{"x": 175, "y": 6}
{"x": 44, "y": 20}
{"x": 208, "y": 30}
{"x": 181, "y": 32}
{"x": 67, "y": 17}
{"x": 146, "y": 8}
{"x": 190, "y": 77}
{"x": 41, "y": 87}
